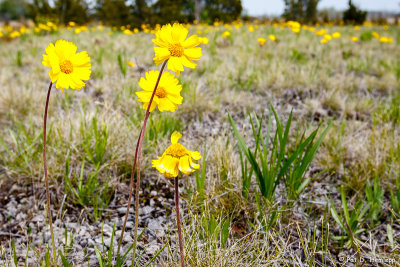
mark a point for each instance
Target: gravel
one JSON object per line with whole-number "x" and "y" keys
{"x": 24, "y": 219}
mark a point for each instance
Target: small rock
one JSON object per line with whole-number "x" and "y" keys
{"x": 122, "y": 210}
{"x": 21, "y": 216}
{"x": 107, "y": 230}
{"x": 38, "y": 218}
{"x": 154, "y": 225}
{"x": 146, "y": 210}
{"x": 152, "y": 249}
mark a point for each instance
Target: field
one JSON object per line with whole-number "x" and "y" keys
{"x": 341, "y": 208}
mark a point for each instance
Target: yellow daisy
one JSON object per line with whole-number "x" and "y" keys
{"x": 261, "y": 41}
{"x": 176, "y": 158}
{"x": 167, "y": 96}
{"x": 68, "y": 68}
{"x": 173, "y": 45}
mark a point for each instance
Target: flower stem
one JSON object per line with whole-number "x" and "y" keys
{"x": 137, "y": 161}
{"x": 45, "y": 174}
{"x": 178, "y": 221}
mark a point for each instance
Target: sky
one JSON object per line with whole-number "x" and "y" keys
{"x": 276, "y": 7}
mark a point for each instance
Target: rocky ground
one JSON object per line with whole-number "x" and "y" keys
{"x": 23, "y": 219}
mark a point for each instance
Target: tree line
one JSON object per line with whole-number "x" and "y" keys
{"x": 139, "y": 12}
{"x": 121, "y": 12}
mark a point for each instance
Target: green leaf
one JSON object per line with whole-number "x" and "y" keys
{"x": 389, "y": 232}
{"x": 156, "y": 255}
{"x": 63, "y": 259}
{"x": 344, "y": 205}
{"x": 225, "y": 232}
{"x": 337, "y": 218}
{"x": 98, "y": 256}
{"x": 14, "y": 253}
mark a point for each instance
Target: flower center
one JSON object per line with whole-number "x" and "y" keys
{"x": 176, "y": 50}
{"x": 66, "y": 67}
{"x": 160, "y": 92}
{"x": 176, "y": 150}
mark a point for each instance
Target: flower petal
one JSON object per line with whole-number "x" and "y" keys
{"x": 175, "y": 137}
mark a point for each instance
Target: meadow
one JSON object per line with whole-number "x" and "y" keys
{"x": 249, "y": 107}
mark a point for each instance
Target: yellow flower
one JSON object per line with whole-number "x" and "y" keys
{"x": 130, "y": 63}
{"x": 251, "y": 28}
{"x": 383, "y": 39}
{"x": 226, "y": 34}
{"x": 324, "y": 41}
{"x": 321, "y": 32}
{"x": 173, "y": 45}
{"x": 261, "y": 41}
{"x": 295, "y": 30}
{"x": 354, "y": 38}
{"x": 336, "y": 35}
{"x": 15, "y": 34}
{"x": 327, "y": 37}
{"x": 168, "y": 92}
{"x": 127, "y": 32}
{"x": 375, "y": 35}
{"x": 203, "y": 40}
{"x": 176, "y": 158}
{"x": 272, "y": 37}
{"x": 68, "y": 68}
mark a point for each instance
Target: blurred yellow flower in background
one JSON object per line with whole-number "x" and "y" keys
{"x": 295, "y": 30}
{"x": 68, "y": 68}
{"x": 174, "y": 47}
{"x": 168, "y": 92}
{"x": 327, "y": 37}
{"x": 354, "y": 38}
{"x": 226, "y": 34}
{"x": 176, "y": 158}
{"x": 203, "y": 40}
{"x": 261, "y": 41}
{"x": 336, "y": 35}
{"x": 375, "y": 35}
{"x": 272, "y": 37}
{"x": 321, "y": 32}
{"x": 127, "y": 32}
{"x": 384, "y": 39}
{"x": 15, "y": 34}
{"x": 130, "y": 63}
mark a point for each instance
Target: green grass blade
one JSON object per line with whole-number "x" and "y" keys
{"x": 63, "y": 259}
{"x": 98, "y": 256}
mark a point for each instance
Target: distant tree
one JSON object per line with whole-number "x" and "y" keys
{"x": 354, "y": 15}
{"x": 113, "y": 12}
{"x": 72, "y": 10}
{"x": 165, "y": 11}
{"x": 13, "y": 9}
{"x": 311, "y": 11}
{"x": 223, "y": 10}
{"x": 141, "y": 13}
{"x": 41, "y": 11}
{"x": 301, "y": 10}
{"x": 293, "y": 10}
